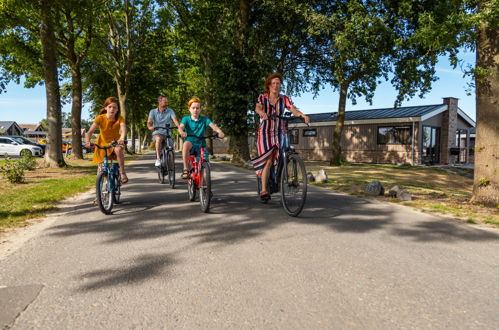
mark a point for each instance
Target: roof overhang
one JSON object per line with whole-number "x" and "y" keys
{"x": 466, "y": 117}
{"x": 362, "y": 122}
{"x": 435, "y": 112}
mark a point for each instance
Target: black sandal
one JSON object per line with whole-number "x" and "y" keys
{"x": 264, "y": 196}
{"x": 185, "y": 174}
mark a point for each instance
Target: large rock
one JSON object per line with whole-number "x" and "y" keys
{"x": 393, "y": 191}
{"x": 321, "y": 176}
{"x": 404, "y": 195}
{"x": 374, "y": 188}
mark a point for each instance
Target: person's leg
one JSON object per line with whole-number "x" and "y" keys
{"x": 186, "y": 150}
{"x": 118, "y": 150}
{"x": 266, "y": 172}
{"x": 157, "y": 139}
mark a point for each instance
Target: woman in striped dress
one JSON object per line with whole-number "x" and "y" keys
{"x": 268, "y": 133}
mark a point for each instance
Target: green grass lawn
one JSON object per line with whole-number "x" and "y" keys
{"x": 43, "y": 189}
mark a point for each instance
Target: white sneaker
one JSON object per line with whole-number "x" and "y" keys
{"x": 158, "y": 163}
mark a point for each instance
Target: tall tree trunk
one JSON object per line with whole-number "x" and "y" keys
{"x": 76, "y": 91}
{"x": 486, "y": 175}
{"x": 238, "y": 144}
{"x": 53, "y": 156}
{"x": 208, "y": 98}
{"x": 338, "y": 129}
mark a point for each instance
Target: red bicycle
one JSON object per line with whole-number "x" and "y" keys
{"x": 200, "y": 176}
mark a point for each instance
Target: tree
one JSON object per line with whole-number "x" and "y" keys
{"x": 486, "y": 176}
{"x": 53, "y": 156}
{"x": 74, "y": 35}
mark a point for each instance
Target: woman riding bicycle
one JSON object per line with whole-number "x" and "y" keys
{"x": 191, "y": 127}
{"x": 112, "y": 128}
{"x": 271, "y": 103}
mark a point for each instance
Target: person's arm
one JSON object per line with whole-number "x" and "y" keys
{"x": 259, "y": 111}
{"x": 88, "y": 136}
{"x": 298, "y": 113}
{"x": 181, "y": 130}
{"x": 176, "y": 121}
{"x": 122, "y": 133}
{"x": 218, "y": 130}
{"x": 150, "y": 123}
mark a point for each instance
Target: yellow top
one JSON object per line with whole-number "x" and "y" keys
{"x": 109, "y": 132}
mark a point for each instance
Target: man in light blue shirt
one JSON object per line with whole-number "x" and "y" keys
{"x": 160, "y": 117}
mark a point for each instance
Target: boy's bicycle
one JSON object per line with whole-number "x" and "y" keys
{"x": 200, "y": 175}
{"x": 167, "y": 158}
{"x": 108, "y": 183}
{"x": 289, "y": 176}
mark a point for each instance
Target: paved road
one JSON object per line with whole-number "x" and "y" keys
{"x": 158, "y": 262}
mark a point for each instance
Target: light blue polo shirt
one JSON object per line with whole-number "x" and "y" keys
{"x": 161, "y": 119}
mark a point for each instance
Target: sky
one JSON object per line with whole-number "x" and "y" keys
{"x": 28, "y": 105}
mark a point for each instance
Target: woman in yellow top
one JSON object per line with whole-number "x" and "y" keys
{"x": 112, "y": 128}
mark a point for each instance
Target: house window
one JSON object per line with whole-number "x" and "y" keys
{"x": 294, "y": 134}
{"x": 309, "y": 132}
{"x": 394, "y": 135}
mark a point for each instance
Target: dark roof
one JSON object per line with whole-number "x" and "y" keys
{"x": 6, "y": 124}
{"x": 416, "y": 111}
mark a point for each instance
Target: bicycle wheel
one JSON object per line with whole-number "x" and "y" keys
{"x": 162, "y": 167}
{"x": 293, "y": 185}
{"x": 171, "y": 168}
{"x": 191, "y": 188}
{"x": 104, "y": 196}
{"x": 117, "y": 189}
{"x": 205, "y": 187}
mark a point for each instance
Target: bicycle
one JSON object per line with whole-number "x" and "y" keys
{"x": 108, "y": 182}
{"x": 200, "y": 176}
{"x": 290, "y": 174}
{"x": 167, "y": 158}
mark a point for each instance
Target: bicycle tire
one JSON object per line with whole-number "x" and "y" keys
{"x": 191, "y": 189}
{"x": 162, "y": 167}
{"x": 205, "y": 187}
{"x": 293, "y": 185}
{"x": 171, "y": 168}
{"x": 104, "y": 196}
{"x": 117, "y": 189}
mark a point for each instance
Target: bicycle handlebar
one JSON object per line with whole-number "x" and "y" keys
{"x": 166, "y": 127}
{"x": 211, "y": 136}
{"x": 111, "y": 145}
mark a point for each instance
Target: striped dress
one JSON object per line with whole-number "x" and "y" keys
{"x": 268, "y": 132}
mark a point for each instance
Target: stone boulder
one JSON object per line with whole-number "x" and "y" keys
{"x": 321, "y": 176}
{"x": 393, "y": 192}
{"x": 404, "y": 195}
{"x": 374, "y": 188}
{"x": 310, "y": 177}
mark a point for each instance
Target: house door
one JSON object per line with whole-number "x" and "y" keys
{"x": 431, "y": 145}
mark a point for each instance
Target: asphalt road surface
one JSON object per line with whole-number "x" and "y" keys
{"x": 159, "y": 262}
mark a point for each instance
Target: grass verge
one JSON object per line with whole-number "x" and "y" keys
{"x": 433, "y": 189}
{"x": 43, "y": 189}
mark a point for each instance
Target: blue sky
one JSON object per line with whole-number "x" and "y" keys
{"x": 28, "y": 106}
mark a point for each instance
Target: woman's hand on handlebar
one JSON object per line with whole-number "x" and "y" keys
{"x": 263, "y": 115}
{"x": 183, "y": 135}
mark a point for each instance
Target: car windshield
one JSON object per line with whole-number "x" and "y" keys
{"x": 22, "y": 139}
{"x": 18, "y": 140}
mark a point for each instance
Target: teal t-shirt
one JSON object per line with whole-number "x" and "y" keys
{"x": 196, "y": 127}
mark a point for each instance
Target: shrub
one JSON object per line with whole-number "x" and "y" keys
{"x": 13, "y": 171}
{"x": 27, "y": 163}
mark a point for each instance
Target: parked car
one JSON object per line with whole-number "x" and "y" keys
{"x": 25, "y": 140}
{"x": 65, "y": 144}
{"x": 12, "y": 147}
